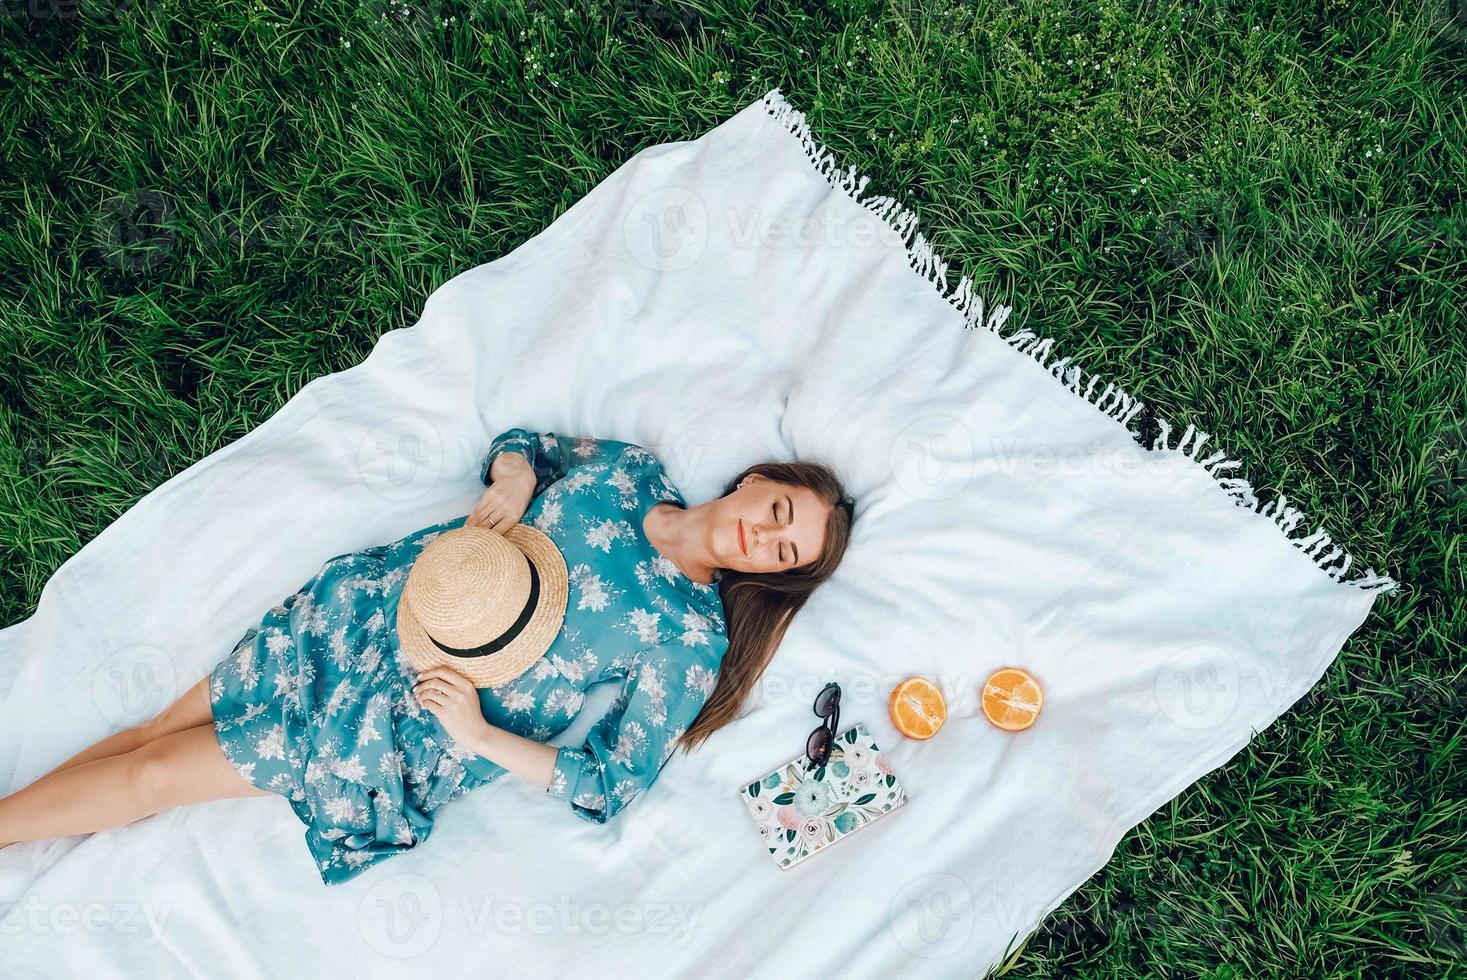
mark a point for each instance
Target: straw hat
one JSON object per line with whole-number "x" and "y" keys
{"x": 486, "y": 604}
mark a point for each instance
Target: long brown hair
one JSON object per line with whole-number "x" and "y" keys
{"x": 758, "y": 606}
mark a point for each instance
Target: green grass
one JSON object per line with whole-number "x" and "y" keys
{"x": 1249, "y": 214}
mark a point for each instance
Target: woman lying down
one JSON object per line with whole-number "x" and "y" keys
{"x": 407, "y": 674}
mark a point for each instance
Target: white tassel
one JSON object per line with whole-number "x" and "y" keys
{"x": 1309, "y": 541}
{"x": 1186, "y": 438}
{"x": 1291, "y": 520}
{"x": 1207, "y": 463}
{"x": 1160, "y": 442}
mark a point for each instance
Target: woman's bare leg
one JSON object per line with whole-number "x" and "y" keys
{"x": 191, "y": 710}
{"x": 172, "y": 770}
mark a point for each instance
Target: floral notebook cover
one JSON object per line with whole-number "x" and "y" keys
{"x": 798, "y": 810}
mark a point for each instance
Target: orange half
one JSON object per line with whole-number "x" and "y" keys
{"x": 1012, "y": 699}
{"x": 918, "y": 708}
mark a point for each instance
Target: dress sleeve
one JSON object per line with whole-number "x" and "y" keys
{"x": 661, "y": 695}
{"x": 551, "y": 455}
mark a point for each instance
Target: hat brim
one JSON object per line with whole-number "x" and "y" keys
{"x": 502, "y": 666}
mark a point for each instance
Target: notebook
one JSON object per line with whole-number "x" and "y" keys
{"x": 799, "y": 810}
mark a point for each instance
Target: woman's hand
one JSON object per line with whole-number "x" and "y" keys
{"x": 454, "y": 701}
{"x": 505, "y": 502}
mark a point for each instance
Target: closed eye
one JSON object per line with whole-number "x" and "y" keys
{"x": 774, "y": 508}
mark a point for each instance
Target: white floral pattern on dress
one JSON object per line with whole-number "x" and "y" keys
{"x": 314, "y": 703}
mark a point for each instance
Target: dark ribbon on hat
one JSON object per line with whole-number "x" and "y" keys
{"x": 515, "y": 629}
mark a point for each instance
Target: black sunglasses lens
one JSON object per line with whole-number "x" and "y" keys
{"x": 818, "y": 746}
{"x": 827, "y": 700}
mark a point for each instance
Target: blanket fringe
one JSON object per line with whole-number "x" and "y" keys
{"x": 1111, "y": 400}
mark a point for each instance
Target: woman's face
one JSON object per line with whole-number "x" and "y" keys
{"x": 765, "y": 526}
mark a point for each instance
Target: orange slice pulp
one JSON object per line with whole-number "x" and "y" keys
{"x": 918, "y": 708}
{"x": 1012, "y": 699}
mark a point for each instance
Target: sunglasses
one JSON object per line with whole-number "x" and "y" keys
{"x": 822, "y": 739}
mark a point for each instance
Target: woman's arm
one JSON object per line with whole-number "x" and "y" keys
{"x": 510, "y": 465}
{"x": 662, "y": 694}
{"x": 454, "y": 701}
{"x": 551, "y": 456}
{"x": 534, "y": 761}
{"x": 541, "y": 451}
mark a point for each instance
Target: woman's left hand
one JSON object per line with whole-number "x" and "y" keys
{"x": 454, "y": 701}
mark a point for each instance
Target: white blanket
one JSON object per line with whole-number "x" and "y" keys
{"x": 722, "y": 300}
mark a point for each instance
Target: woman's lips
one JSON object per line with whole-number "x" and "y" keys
{"x": 741, "y": 538}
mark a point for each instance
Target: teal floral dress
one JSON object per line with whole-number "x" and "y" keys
{"x": 315, "y": 703}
